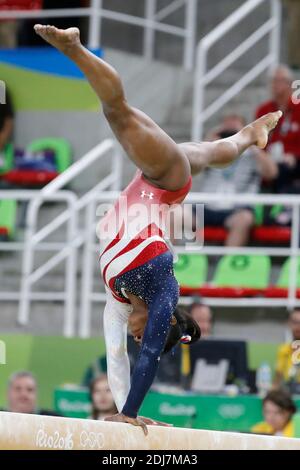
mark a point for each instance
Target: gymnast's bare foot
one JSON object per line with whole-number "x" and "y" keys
{"x": 263, "y": 126}
{"x": 63, "y": 39}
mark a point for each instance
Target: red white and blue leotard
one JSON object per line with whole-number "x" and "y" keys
{"x": 127, "y": 248}
{"x": 136, "y": 258}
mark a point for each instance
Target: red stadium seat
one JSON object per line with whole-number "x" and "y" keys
{"x": 274, "y": 292}
{"x": 30, "y": 177}
{"x": 224, "y": 292}
{"x": 215, "y": 234}
{"x": 270, "y": 234}
{"x": 3, "y": 231}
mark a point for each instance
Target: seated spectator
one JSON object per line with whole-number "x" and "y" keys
{"x": 27, "y": 36}
{"x": 9, "y": 28}
{"x": 243, "y": 176}
{"x": 103, "y": 404}
{"x": 278, "y": 410}
{"x": 202, "y": 314}
{"x": 287, "y": 371}
{"x": 6, "y": 125}
{"x": 22, "y": 395}
{"x": 284, "y": 141}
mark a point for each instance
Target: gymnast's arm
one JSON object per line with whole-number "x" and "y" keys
{"x": 118, "y": 366}
{"x": 154, "y": 338}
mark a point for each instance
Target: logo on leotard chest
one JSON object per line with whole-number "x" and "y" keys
{"x": 145, "y": 194}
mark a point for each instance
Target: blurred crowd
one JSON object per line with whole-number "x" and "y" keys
{"x": 275, "y": 169}
{"x": 15, "y": 33}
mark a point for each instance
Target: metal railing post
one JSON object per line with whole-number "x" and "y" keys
{"x": 27, "y": 263}
{"x": 95, "y": 23}
{"x": 87, "y": 272}
{"x": 117, "y": 165}
{"x": 149, "y": 32}
{"x": 197, "y": 128}
{"x": 293, "y": 274}
{"x": 275, "y": 36}
{"x": 190, "y": 38}
{"x": 71, "y": 274}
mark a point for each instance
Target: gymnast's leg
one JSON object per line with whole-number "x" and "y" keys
{"x": 161, "y": 160}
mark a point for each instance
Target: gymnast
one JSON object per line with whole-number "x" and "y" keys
{"x": 142, "y": 292}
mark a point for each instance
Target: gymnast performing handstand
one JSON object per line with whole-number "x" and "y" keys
{"x": 142, "y": 292}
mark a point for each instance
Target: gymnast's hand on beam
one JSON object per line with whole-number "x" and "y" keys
{"x": 153, "y": 422}
{"x": 120, "y": 418}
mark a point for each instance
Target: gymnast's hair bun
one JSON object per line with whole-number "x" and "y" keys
{"x": 186, "y": 330}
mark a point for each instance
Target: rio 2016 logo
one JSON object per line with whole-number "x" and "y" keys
{"x": 2, "y": 353}
{"x": 54, "y": 440}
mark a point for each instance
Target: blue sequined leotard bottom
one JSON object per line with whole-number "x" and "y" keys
{"x": 155, "y": 283}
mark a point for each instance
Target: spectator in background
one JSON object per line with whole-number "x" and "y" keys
{"x": 202, "y": 314}
{"x": 9, "y": 28}
{"x": 6, "y": 123}
{"x": 287, "y": 369}
{"x": 284, "y": 141}
{"x": 244, "y": 176}
{"x": 294, "y": 33}
{"x": 27, "y": 36}
{"x": 22, "y": 394}
{"x": 103, "y": 404}
{"x": 278, "y": 410}
{"x": 6, "y": 134}
{"x": 96, "y": 369}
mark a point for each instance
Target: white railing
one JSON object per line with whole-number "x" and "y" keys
{"x": 203, "y": 76}
{"x": 68, "y": 250}
{"x": 248, "y": 200}
{"x": 77, "y": 239}
{"x": 67, "y": 246}
{"x": 151, "y": 23}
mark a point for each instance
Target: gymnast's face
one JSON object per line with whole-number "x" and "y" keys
{"x": 138, "y": 318}
{"x": 137, "y": 322}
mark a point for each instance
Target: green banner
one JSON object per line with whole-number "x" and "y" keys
{"x": 72, "y": 403}
{"x": 214, "y": 412}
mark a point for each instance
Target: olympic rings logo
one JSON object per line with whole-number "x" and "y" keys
{"x": 91, "y": 440}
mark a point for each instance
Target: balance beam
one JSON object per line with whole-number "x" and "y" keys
{"x": 33, "y": 432}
